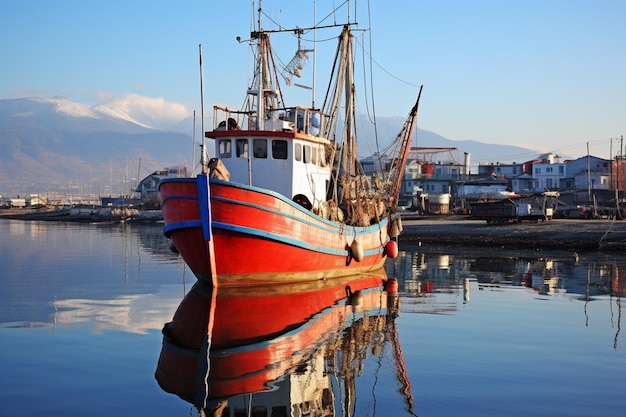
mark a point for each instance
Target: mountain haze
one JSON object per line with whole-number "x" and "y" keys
{"x": 58, "y": 145}
{"x": 52, "y": 144}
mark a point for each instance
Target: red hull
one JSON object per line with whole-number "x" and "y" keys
{"x": 255, "y": 339}
{"x": 258, "y": 236}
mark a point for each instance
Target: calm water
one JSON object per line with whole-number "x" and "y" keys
{"x": 476, "y": 333}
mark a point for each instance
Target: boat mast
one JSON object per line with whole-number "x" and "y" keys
{"x": 314, "y": 55}
{"x": 399, "y": 164}
{"x": 204, "y": 163}
{"x": 350, "y": 142}
{"x": 264, "y": 90}
{"x": 262, "y": 62}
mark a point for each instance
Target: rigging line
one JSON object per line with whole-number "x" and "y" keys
{"x": 369, "y": 21}
{"x": 608, "y": 230}
{"x": 371, "y": 116}
{"x": 362, "y": 126}
{"x": 319, "y": 23}
{"x": 332, "y": 13}
{"x": 390, "y": 74}
{"x": 275, "y": 76}
{"x": 375, "y": 122}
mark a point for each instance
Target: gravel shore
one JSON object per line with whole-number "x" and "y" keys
{"x": 578, "y": 235}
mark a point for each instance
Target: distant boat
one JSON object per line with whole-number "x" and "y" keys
{"x": 217, "y": 354}
{"x": 286, "y": 198}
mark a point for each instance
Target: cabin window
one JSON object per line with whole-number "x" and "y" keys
{"x": 279, "y": 149}
{"x": 315, "y": 124}
{"x": 297, "y": 151}
{"x": 300, "y": 120}
{"x": 259, "y": 147}
{"x": 225, "y": 148}
{"x": 322, "y": 156}
{"x": 306, "y": 154}
{"x": 314, "y": 155}
{"x": 242, "y": 148}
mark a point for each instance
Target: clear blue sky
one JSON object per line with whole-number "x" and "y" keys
{"x": 547, "y": 74}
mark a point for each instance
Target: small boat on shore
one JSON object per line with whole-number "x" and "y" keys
{"x": 285, "y": 197}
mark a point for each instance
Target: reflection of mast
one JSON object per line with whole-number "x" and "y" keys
{"x": 204, "y": 362}
{"x": 311, "y": 358}
{"x": 619, "y": 319}
{"x": 616, "y": 289}
{"x": 587, "y": 295}
{"x": 402, "y": 374}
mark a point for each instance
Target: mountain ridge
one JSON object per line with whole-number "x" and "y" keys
{"x": 56, "y": 144}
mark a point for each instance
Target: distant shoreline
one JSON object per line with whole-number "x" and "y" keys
{"x": 449, "y": 230}
{"x": 84, "y": 215}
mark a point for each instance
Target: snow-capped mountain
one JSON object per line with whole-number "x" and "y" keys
{"x": 124, "y": 115}
{"x": 45, "y": 143}
{"x": 58, "y": 144}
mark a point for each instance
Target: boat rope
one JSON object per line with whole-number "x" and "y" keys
{"x": 608, "y": 230}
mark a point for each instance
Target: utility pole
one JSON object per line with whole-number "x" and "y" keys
{"x": 615, "y": 176}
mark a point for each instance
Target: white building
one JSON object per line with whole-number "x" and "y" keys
{"x": 547, "y": 173}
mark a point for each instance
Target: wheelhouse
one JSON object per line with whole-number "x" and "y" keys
{"x": 287, "y": 156}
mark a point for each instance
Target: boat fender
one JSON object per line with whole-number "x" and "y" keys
{"x": 391, "y": 249}
{"x": 356, "y": 250}
{"x": 391, "y": 286}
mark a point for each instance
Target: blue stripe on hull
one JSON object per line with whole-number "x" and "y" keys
{"x": 327, "y": 226}
{"x": 171, "y": 228}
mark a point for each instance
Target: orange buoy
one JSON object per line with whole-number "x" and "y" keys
{"x": 391, "y": 249}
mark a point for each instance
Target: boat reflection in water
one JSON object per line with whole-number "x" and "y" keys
{"x": 280, "y": 350}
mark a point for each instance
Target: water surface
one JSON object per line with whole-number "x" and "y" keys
{"x": 478, "y": 333}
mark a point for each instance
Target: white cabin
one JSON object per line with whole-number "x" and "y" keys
{"x": 285, "y": 157}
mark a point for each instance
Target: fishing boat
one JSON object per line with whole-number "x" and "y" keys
{"x": 218, "y": 356}
{"x": 285, "y": 197}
